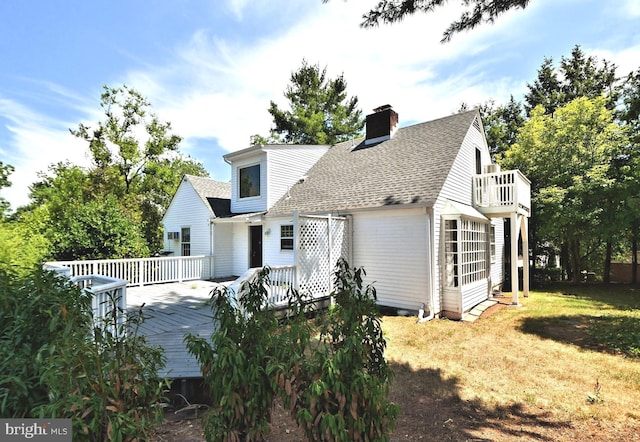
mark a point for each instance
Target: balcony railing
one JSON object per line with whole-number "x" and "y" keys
{"x": 141, "y": 271}
{"x": 502, "y": 193}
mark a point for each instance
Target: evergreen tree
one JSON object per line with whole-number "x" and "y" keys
{"x": 320, "y": 110}
{"x": 477, "y": 12}
{"x": 577, "y": 76}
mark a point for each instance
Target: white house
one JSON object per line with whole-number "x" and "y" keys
{"x": 421, "y": 208}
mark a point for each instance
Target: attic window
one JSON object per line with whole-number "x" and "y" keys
{"x": 476, "y": 124}
{"x": 249, "y": 181}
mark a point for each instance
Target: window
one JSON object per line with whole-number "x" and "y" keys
{"x": 186, "y": 241}
{"x": 249, "y": 178}
{"x": 451, "y": 252}
{"x": 466, "y": 244}
{"x": 493, "y": 242}
{"x": 286, "y": 237}
{"x": 478, "y": 161}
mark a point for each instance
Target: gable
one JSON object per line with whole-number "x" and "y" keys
{"x": 204, "y": 192}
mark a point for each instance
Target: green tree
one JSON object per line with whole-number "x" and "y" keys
{"x": 569, "y": 156}
{"x": 630, "y": 115}
{"x": 21, "y": 249}
{"x": 79, "y": 221}
{"x": 320, "y": 111}
{"x": 501, "y": 123}
{"x": 577, "y": 76}
{"x": 114, "y": 143}
{"x": 477, "y": 12}
{"x": 136, "y": 159}
{"x": 5, "y": 171}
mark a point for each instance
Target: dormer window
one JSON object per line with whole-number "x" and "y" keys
{"x": 249, "y": 181}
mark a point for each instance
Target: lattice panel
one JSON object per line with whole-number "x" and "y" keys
{"x": 316, "y": 261}
{"x": 340, "y": 239}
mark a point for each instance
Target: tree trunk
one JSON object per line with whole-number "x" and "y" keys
{"x": 606, "y": 276}
{"x": 634, "y": 252}
{"x": 574, "y": 248}
{"x": 534, "y": 249}
{"x": 565, "y": 264}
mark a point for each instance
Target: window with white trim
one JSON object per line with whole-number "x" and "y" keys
{"x": 249, "y": 181}
{"x": 451, "y": 252}
{"x": 286, "y": 237}
{"x": 492, "y": 239}
{"x": 466, "y": 251}
{"x": 185, "y": 238}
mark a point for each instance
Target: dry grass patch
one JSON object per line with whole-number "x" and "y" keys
{"x": 550, "y": 367}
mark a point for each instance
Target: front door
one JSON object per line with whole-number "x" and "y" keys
{"x": 255, "y": 246}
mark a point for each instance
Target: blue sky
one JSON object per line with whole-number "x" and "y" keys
{"x": 210, "y": 67}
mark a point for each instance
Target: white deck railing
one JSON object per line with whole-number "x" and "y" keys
{"x": 109, "y": 301}
{"x": 500, "y": 192}
{"x": 142, "y": 271}
{"x": 146, "y": 271}
{"x": 282, "y": 280}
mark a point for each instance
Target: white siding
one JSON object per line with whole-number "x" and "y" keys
{"x": 273, "y": 255}
{"x": 188, "y": 210}
{"x": 255, "y": 203}
{"x": 392, "y": 246}
{"x": 280, "y": 168}
{"x": 223, "y": 250}
{"x": 458, "y": 188}
{"x": 286, "y": 166}
{"x": 240, "y": 248}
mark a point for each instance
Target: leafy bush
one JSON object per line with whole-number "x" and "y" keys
{"x": 37, "y": 314}
{"x": 234, "y": 363}
{"x": 63, "y": 365}
{"x": 346, "y": 399}
{"x": 335, "y": 384}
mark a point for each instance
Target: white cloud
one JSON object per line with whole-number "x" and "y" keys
{"x": 631, "y": 8}
{"x": 219, "y": 88}
{"x": 37, "y": 141}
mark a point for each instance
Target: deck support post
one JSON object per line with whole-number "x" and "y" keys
{"x": 525, "y": 256}
{"x": 514, "y": 257}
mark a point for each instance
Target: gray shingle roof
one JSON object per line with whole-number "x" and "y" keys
{"x": 408, "y": 169}
{"x": 215, "y": 194}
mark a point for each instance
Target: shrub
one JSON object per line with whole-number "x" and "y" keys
{"x": 234, "y": 363}
{"x": 37, "y": 314}
{"x": 335, "y": 385}
{"x": 65, "y": 366}
{"x": 346, "y": 399}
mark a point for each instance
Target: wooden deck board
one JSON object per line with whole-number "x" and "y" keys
{"x": 173, "y": 310}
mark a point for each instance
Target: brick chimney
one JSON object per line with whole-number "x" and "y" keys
{"x": 381, "y": 125}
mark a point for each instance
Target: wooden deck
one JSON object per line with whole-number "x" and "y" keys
{"x": 173, "y": 310}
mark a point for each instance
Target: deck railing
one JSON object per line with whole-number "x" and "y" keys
{"x": 109, "y": 301}
{"x": 142, "y": 271}
{"x": 282, "y": 280}
{"x": 502, "y": 192}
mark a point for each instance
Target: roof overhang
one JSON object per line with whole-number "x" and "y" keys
{"x": 455, "y": 210}
{"x": 246, "y": 218}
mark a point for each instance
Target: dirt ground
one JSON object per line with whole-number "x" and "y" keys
{"x": 425, "y": 419}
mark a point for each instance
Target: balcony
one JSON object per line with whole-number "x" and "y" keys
{"x": 499, "y": 194}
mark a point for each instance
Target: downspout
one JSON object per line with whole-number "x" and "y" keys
{"x": 430, "y": 271}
